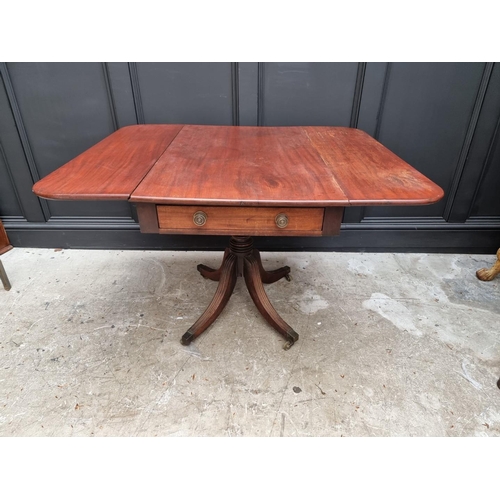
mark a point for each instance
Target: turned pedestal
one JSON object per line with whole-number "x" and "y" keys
{"x": 242, "y": 259}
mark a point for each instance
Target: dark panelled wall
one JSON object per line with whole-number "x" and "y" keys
{"x": 442, "y": 118}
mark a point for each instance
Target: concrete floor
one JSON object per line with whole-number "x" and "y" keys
{"x": 390, "y": 345}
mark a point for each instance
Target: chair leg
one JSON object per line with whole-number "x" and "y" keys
{"x": 4, "y": 278}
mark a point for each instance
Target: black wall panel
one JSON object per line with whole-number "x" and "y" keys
{"x": 48, "y": 95}
{"x": 15, "y": 155}
{"x": 375, "y": 80}
{"x": 121, "y": 94}
{"x": 200, "y": 93}
{"x": 442, "y": 118}
{"x": 308, "y": 93}
{"x": 487, "y": 199}
{"x": 480, "y": 159}
{"x": 9, "y": 205}
{"x": 424, "y": 119}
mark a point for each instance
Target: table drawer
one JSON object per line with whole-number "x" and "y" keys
{"x": 254, "y": 221}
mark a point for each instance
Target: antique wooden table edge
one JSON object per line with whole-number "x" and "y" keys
{"x": 240, "y": 182}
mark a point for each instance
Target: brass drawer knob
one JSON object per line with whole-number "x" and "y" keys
{"x": 200, "y": 218}
{"x": 281, "y": 220}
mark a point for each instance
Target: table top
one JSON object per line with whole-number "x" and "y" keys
{"x": 237, "y": 166}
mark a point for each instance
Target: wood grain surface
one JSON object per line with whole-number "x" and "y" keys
{"x": 368, "y": 172}
{"x": 224, "y": 165}
{"x": 112, "y": 168}
{"x": 256, "y": 221}
{"x": 240, "y": 166}
{"x": 284, "y": 166}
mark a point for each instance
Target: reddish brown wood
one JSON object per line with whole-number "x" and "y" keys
{"x": 112, "y": 168}
{"x": 241, "y": 254}
{"x": 5, "y": 245}
{"x": 332, "y": 220}
{"x": 224, "y": 291}
{"x": 367, "y": 172}
{"x": 271, "y": 276}
{"x": 257, "y": 221}
{"x": 282, "y": 166}
{"x": 261, "y": 300}
{"x": 148, "y": 217}
{"x": 265, "y": 276}
{"x": 218, "y": 165}
{"x": 252, "y": 166}
{"x": 242, "y": 176}
{"x": 212, "y": 274}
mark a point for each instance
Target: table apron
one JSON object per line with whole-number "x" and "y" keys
{"x": 224, "y": 220}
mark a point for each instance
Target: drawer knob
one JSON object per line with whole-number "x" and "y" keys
{"x": 281, "y": 220}
{"x": 200, "y": 218}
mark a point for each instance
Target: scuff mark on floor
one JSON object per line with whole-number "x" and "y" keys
{"x": 398, "y": 314}
{"x": 466, "y": 375}
{"x": 311, "y": 303}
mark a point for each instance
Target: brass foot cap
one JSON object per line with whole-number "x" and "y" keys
{"x": 187, "y": 338}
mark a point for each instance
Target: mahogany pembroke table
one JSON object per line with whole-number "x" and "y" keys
{"x": 240, "y": 182}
